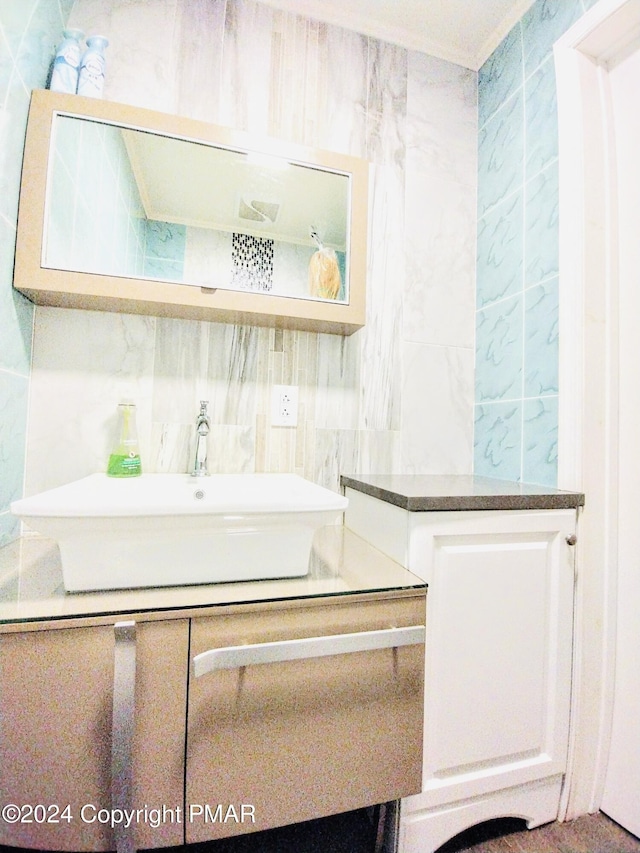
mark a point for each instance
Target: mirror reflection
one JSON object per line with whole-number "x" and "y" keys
{"x": 126, "y": 202}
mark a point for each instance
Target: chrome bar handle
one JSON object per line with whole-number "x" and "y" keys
{"x": 231, "y": 657}
{"x": 124, "y": 683}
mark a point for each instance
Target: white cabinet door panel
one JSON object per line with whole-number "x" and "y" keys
{"x": 498, "y": 659}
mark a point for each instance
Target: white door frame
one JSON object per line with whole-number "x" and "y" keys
{"x": 588, "y": 414}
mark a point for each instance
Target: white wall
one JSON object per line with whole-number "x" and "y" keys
{"x": 622, "y": 786}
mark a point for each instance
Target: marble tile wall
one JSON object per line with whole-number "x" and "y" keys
{"x": 395, "y": 396}
{"x": 440, "y": 223}
{"x": 29, "y": 32}
{"x": 516, "y": 378}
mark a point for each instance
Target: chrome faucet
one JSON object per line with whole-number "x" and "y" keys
{"x": 203, "y": 425}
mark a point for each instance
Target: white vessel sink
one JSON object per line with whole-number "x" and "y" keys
{"x": 173, "y": 529}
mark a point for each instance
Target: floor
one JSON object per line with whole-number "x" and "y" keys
{"x": 588, "y": 834}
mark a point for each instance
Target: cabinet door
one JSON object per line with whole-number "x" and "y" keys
{"x": 55, "y": 720}
{"x": 498, "y": 660}
{"x": 56, "y": 697}
{"x": 286, "y": 742}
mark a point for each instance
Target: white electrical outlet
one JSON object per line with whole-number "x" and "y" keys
{"x": 284, "y": 405}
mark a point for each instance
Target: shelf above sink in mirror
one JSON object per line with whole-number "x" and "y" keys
{"x": 125, "y": 209}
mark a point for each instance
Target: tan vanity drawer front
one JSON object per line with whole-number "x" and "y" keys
{"x": 298, "y": 740}
{"x": 56, "y": 702}
{"x": 55, "y": 721}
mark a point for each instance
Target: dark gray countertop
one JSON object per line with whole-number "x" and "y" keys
{"x": 433, "y": 493}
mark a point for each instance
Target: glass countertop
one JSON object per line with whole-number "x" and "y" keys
{"x": 341, "y": 563}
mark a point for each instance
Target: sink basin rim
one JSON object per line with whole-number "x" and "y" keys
{"x": 150, "y": 495}
{"x": 174, "y": 530}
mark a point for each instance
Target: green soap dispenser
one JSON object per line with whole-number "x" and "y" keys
{"x": 125, "y": 458}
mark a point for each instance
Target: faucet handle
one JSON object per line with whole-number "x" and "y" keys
{"x": 203, "y": 406}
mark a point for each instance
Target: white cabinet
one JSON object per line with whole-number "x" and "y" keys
{"x": 498, "y": 660}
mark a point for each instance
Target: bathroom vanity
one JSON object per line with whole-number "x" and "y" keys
{"x": 498, "y": 558}
{"x": 212, "y": 710}
{"x": 153, "y": 697}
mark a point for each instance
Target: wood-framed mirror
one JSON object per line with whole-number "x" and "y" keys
{"x": 131, "y": 210}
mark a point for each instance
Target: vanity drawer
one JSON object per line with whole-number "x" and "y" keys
{"x": 57, "y": 730}
{"x": 275, "y": 743}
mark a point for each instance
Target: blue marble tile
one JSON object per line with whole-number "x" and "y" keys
{"x": 16, "y": 330}
{"x": 498, "y": 440}
{"x": 500, "y": 75}
{"x": 39, "y": 45}
{"x": 541, "y": 339}
{"x": 165, "y": 241}
{"x": 161, "y": 268}
{"x": 589, "y": 3}
{"x": 499, "y": 351}
{"x": 505, "y": 258}
{"x": 16, "y": 14}
{"x": 541, "y": 237}
{"x": 540, "y": 441}
{"x": 14, "y": 22}
{"x": 500, "y": 251}
{"x": 501, "y": 154}
{"x": 542, "y": 25}
{"x": 6, "y": 62}
{"x": 16, "y": 312}
{"x": 16, "y": 108}
{"x": 13, "y": 423}
{"x": 541, "y": 110}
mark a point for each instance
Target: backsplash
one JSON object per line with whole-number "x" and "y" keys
{"x": 516, "y": 411}
{"x": 396, "y": 396}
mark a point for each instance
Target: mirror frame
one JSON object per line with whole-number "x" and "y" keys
{"x": 62, "y": 288}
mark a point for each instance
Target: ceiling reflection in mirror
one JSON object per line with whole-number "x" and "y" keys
{"x": 130, "y": 203}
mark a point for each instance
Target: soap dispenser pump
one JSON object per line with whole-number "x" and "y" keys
{"x": 125, "y": 458}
